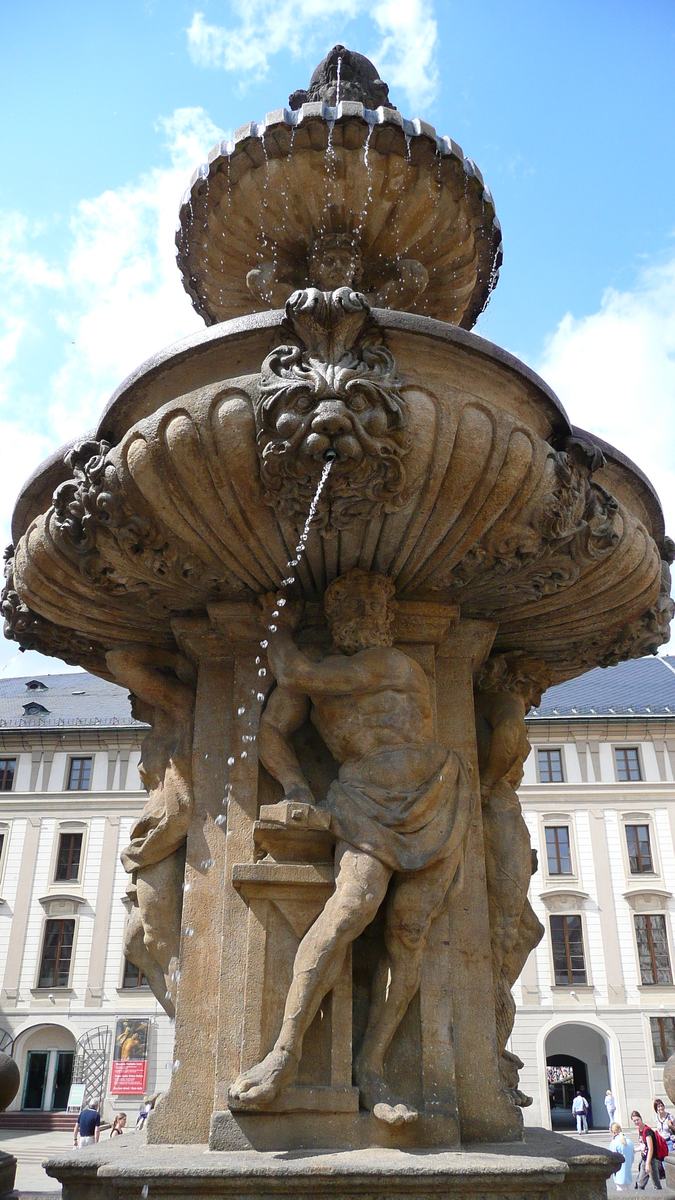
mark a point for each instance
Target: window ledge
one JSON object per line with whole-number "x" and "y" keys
{"x": 144, "y": 988}
{"x": 572, "y": 989}
{"x": 654, "y": 987}
{"x": 43, "y": 993}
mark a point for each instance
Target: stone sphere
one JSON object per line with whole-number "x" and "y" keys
{"x": 9, "y": 1080}
{"x": 669, "y": 1078}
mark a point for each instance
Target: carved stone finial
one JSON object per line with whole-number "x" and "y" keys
{"x": 344, "y": 75}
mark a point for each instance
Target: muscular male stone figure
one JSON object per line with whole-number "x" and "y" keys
{"x": 400, "y": 808}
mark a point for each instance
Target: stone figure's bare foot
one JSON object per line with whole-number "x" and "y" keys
{"x": 377, "y": 1096}
{"x": 260, "y": 1085}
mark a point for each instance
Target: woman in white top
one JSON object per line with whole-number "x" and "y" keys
{"x": 665, "y": 1123}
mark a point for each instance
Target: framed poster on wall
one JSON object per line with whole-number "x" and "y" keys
{"x": 130, "y": 1060}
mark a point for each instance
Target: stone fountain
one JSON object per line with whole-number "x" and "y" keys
{"x": 329, "y": 881}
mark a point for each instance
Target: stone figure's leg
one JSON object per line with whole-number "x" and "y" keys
{"x": 160, "y": 901}
{"x": 136, "y": 951}
{"x": 415, "y": 901}
{"x": 360, "y": 887}
{"x": 509, "y": 867}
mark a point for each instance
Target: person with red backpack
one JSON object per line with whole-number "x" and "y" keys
{"x": 655, "y": 1150}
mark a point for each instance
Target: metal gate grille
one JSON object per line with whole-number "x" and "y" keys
{"x": 90, "y": 1065}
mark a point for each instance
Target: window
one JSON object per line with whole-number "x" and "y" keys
{"x": 133, "y": 977}
{"x": 57, "y": 952}
{"x": 558, "y": 850}
{"x": 33, "y": 709}
{"x": 36, "y": 685}
{"x": 79, "y": 776}
{"x": 663, "y": 1037}
{"x": 568, "y": 950}
{"x": 68, "y": 861}
{"x": 639, "y": 849}
{"x": 550, "y": 766}
{"x": 652, "y": 944}
{"x": 627, "y": 764}
{"x": 7, "y": 769}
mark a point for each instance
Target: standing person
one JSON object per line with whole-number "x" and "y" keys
{"x": 649, "y": 1165}
{"x": 118, "y": 1125}
{"x": 610, "y": 1105}
{"x": 88, "y": 1126}
{"x": 589, "y": 1105}
{"x": 621, "y": 1145}
{"x": 580, "y": 1108}
{"x": 665, "y": 1123}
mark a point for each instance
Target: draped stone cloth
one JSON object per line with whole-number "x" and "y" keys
{"x": 396, "y": 805}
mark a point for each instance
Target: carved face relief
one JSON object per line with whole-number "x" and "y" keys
{"x": 334, "y": 398}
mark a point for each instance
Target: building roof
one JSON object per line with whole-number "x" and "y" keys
{"x": 643, "y": 687}
{"x": 73, "y": 699}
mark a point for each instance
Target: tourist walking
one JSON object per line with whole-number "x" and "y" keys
{"x": 88, "y": 1126}
{"x": 623, "y": 1146}
{"x": 665, "y": 1123}
{"x": 610, "y": 1105}
{"x": 580, "y": 1108}
{"x": 655, "y": 1150}
{"x": 589, "y": 1105}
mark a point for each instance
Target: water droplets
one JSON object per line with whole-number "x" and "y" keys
{"x": 230, "y": 761}
{"x": 145, "y": 1189}
{"x": 241, "y": 710}
{"x": 175, "y": 1068}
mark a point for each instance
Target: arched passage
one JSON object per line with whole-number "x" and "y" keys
{"x": 577, "y": 1057}
{"x": 44, "y": 1054}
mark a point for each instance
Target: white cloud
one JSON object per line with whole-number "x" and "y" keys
{"x": 615, "y": 373}
{"x": 405, "y": 54}
{"x": 114, "y": 299}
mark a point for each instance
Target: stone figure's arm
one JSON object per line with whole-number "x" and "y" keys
{"x": 143, "y": 669}
{"x": 285, "y": 712}
{"x": 504, "y": 713}
{"x": 337, "y": 675}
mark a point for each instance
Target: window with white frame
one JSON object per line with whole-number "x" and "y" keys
{"x": 558, "y": 852}
{"x": 57, "y": 953}
{"x": 627, "y": 761}
{"x": 652, "y": 945}
{"x": 640, "y": 856}
{"x": 567, "y": 944}
{"x": 550, "y": 766}
{"x": 663, "y": 1037}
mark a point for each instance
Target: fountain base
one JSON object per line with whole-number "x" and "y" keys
{"x": 544, "y": 1166}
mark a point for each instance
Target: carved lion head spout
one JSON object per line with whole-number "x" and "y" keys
{"x": 338, "y": 397}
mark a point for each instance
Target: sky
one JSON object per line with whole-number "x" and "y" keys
{"x": 566, "y": 106}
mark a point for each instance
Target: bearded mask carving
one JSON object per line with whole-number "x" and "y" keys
{"x": 334, "y": 396}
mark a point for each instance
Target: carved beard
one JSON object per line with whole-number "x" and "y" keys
{"x": 355, "y": 491}
{"x": 360, "y": 633}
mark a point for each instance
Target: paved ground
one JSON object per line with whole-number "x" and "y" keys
{"x": 29, "y": 1149}
{"x": 33, "y": 1184}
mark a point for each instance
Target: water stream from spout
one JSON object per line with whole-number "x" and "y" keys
{"x": 337, "y": 81}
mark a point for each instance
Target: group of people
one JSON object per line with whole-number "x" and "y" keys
{"x": 87, "y": 1129}
{"x": 657, "y": 1141}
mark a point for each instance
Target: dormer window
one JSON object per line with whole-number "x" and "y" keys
{"x": 36, "y": 685}
{"x": 33, "y": 709}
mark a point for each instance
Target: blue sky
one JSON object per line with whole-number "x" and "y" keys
{"x": 567, "y": 108}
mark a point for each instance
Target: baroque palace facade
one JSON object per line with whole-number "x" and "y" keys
{"x": 596, "y": 1001}
{"x": 71, "y": 1008}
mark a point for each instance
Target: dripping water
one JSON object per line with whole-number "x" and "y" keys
{"x": 337, "y": 82}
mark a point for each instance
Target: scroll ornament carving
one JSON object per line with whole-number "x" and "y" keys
{"x": 647, "y": 633}
{"x": 570, "y": 522}
{"x": 334, "y": 391}
{"x": 33, "y": 632}
{"x": 93, "y": 503}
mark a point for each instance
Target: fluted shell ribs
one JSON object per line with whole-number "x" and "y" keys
{"x": 457, "y": 476}
{"x": 415, "y": 211}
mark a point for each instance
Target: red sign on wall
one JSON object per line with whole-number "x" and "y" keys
{"x": 128, "y": 1078}
{"x": 130, "y": 1063}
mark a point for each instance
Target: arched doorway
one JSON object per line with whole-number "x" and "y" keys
{"x": 577, "y": 1058}
{"x": 45, "y": 1056}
